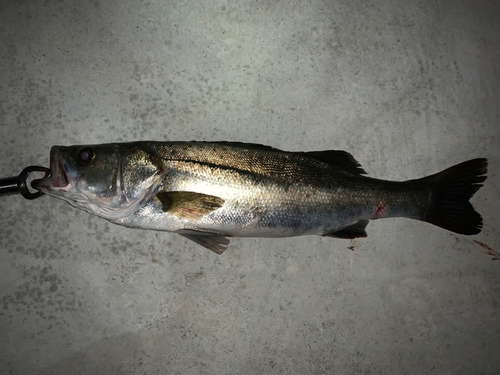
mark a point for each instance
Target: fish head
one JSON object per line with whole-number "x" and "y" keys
{"x": 108, "y": 180}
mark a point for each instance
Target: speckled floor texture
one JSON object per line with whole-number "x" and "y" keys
{"x": 408, "y": 87}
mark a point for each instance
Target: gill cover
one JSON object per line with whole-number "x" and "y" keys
{"x": 140, "y": 173}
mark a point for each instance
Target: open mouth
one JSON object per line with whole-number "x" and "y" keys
{"x": 58, "y": 179}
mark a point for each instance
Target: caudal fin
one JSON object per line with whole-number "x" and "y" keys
{"x": 451, "y": 190}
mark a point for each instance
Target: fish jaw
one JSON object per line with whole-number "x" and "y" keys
{"x": 61, "y": 183}
{"x": 59, "y": 176}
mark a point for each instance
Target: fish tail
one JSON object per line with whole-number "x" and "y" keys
{"x": 451, "y": 190}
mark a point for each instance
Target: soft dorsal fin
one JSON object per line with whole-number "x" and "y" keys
{"x": 187, "y": 204}
{"x": 340, "y": 159}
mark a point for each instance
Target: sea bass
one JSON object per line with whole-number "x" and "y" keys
{"x": 209, "y": 191}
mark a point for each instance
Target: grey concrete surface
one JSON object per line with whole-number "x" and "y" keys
{"x": 408, "y": 87}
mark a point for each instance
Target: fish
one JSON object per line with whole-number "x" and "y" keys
{"x": 209, "y": 192}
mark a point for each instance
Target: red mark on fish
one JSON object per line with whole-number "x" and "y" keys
{"x": 379, "y": 210}
{"x": 494, "y": 254}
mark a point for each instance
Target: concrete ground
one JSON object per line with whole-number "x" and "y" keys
{"x": 408, "y": 87}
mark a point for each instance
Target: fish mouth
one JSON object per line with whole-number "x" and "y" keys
{"x": 59, "y": 178}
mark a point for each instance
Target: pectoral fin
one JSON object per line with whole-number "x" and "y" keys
{"x": 189, "y": 205}
{"x": 212, "y": 241}
{"x": 352, "y": 231}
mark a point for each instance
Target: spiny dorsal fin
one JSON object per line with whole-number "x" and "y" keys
{"x": 252, "y": 146}
{"x": 352, "y": 231}
{"x": 340, "y": 159}
{"x": 336, "y": 158}
{"x": 187, "y": 204}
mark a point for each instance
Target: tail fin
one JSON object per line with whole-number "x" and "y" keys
{"x": 451, "y": 190}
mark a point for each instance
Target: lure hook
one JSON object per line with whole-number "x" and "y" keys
{"x": 18, "y": 184}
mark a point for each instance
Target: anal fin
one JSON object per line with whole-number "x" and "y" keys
{"x": 352, "y": 231}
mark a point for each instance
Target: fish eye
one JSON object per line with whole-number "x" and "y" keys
{"x": 85, "y": 155}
